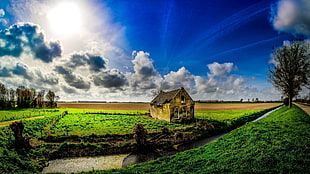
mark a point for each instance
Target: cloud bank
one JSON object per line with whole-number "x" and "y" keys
{"x": 292, "y": 16}
{"x": 29, "y": 59}
{"x": 28, "y": 37}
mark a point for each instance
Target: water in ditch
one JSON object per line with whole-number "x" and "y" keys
{"x": 266, "y": 114}
{"x": 82, "y": 164}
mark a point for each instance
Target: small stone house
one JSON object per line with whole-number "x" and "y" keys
{"x": 174, "y": 106}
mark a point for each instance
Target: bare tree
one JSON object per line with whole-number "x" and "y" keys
{"x": 20, "y": 96}
{"x": 3, "y": 92}
{"x": 31, "y": 97}
{"x": 40, "y": 98}
{"x": 50, "y": 96}
{"x": 291, "y": 68}
{"x": 24, "y": 97}
{"x": 12, "y": 98}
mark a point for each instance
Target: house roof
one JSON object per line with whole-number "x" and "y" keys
{"x": 165, "y": 97}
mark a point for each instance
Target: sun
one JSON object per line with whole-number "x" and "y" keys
{"x": 65, "y": 18}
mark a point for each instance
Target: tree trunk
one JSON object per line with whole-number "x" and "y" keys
{"x": 18, "y": 127}
{"x": 290, "y": 101}
{"x": 140, "y": 136}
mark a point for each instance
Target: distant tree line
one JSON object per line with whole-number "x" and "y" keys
{"x": 24, "y": 97}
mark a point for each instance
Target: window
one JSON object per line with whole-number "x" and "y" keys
{"x": 183, "y": 100}
{"x": 184, "y": 112}
{"x": 176, "y": 112}
{"x": 192, "y": 111}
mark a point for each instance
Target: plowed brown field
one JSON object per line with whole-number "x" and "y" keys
{"x": 145, "y": 106}
{"x": 234, "y": 106}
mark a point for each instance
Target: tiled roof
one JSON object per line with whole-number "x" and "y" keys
{"x": 164, "y": 97}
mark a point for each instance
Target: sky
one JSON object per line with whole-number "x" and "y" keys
{"x": 120, "y": 50}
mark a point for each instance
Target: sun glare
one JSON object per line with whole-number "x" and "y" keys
{"x": 65, "y": 18}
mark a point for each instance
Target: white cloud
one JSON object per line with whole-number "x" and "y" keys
{"x": 94, "y": 62}
{"x": 113, "y": 79}
{"x": 221, "y": 69}
{"x": 73, "y": 79}
{"x": 181, "y": 78}
{"x": 221, "y": 84}
{"x": 68, "y": 90}
{"x": 2, "y": 13}
{"x": 145, "y": 76}
{"x": 206, "y": 86}
{"x": 3, "y": 20}
{"x": 292, "y": 16}
{"x": 28, "y": 38}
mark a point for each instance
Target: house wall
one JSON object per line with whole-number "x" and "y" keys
{"x": 162, "y": 112}
{"x": 182, "y": 110}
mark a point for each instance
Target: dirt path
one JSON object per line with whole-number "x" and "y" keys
{"x": 303, "y": 107}
{"x": 6, "y": 123}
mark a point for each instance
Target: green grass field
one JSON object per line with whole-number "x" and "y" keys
{"x": 279, "y": 143}
{"x": 87, "y": 124}
{"x": 17, "y": 114}
{"x": 79, "y": 122}
{"x": 224, "y": 115}
{"x": 8, "y": 115}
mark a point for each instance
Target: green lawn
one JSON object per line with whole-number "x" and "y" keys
{"x": 78, "y": 122}
{"x": 83, "y": 124}
{"x": 16, "y": 114}
{"x": 279, "y": 143}
{"x": 87, "y": 124}
{"x": 224, "y": 115}
{"x": 7, "y": 115}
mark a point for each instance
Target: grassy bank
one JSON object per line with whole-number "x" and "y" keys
{"x": 279, "y": 143}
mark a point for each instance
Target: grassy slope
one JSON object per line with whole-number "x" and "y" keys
{"x": 279, "y": 143}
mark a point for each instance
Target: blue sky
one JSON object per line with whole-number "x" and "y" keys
{"x": 196, "y": 34}
{"x": 119, "y": 50}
